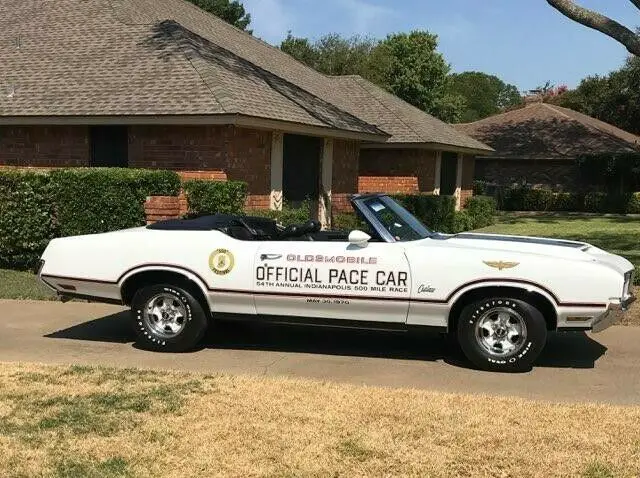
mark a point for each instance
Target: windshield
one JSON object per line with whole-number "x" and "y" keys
{"x": 394, "y": 219}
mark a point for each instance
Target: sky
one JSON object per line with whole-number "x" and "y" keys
{"x": 524, "y": 42}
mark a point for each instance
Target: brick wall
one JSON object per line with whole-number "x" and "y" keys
{"x": 207, "y": 152}
{"x": 44, "y": 146}
{"x": 198, "y": 152}
{"x": 345, "y": 174}
{"x": 468, "y": 173}
{"x": 160, "y": 208}
{"x": 403, "y": 171}
{"x": 556, "y": 174}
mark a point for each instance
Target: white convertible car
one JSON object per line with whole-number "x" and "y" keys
{"x": 498, "y": 295}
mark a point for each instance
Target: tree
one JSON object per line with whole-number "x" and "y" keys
{"x": 416, "y": 72}
{"x": 601, "y": 23}
{"x": 231, "y": 11}
{"x": 334, "y": 55}
{"x": 614, "y": 98}
{"x": 485, "y": 95}
{"x": 407, "y": 65}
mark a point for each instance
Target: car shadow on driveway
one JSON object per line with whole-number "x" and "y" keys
{"x": 563, "y": 350}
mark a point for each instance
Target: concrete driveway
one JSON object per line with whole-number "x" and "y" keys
{"x": 574, "y": 367}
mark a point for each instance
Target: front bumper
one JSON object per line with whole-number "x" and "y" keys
{"x": 614, "y": 313}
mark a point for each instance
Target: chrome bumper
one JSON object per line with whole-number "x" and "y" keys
{"x": 613, "y": 314}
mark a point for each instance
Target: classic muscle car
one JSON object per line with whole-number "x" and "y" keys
{"x": 499, "y": 296}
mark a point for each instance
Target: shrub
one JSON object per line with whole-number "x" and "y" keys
{"x": 26, "y": 218}
{"x": 479, "y": 188}
{"x": 348, "y": 221}
{"x": 524, "y": 198}
{"x": 95, "y": 200}
{"x": 633, "y": 204}
{"x": 213, "y": 197}
{"x": 289, "y": 215}
{"x": 482, "y": 211}
{"x": 568, "y": 202}
{"x": 436, "y": 212}
{"x": 462, "y": 221}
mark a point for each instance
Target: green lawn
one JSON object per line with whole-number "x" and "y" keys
{"x": 617, "y": 234}
{"x": 22, "y": 285}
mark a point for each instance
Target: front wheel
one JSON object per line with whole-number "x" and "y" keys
{"x": 502, "y": 334}
{"x": 168, "y": 318}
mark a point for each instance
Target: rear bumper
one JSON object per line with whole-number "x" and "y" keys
{"x": 614, "y": 313}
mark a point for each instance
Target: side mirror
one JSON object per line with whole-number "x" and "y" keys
{"x": 359, "y": 238}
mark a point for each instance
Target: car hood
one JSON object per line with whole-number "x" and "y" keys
{"x": 552, "y": 248}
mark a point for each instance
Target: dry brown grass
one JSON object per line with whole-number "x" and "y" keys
{"x": 632, "y": 317}
{"x": 80, "y": 421}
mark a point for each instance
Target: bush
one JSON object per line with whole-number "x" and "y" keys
{"x": 213, "y": 197}
{"x": 436, "y": 212}
{"x": 288, "y": 216}
{"x": 462, "y": 222}
{"x": 348, "y": 222}
{"x": 26, "y": 218}
{"x": 96, "y": 200}
{"x": 633, "y": 204}
{"x": 568, "y": 202}
{"x": 524, "y": 198}
{"x": 481, "y": 211}
{"x": 479, "y": 188}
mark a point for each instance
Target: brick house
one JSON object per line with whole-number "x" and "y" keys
{"x": 163, "y": 84}
{"x": 539, "y": 144}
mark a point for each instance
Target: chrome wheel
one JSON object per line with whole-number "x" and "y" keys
{"x": 501, "y": 331}
{"x": 166, "y": 315}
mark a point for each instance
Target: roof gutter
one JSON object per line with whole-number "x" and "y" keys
{"x": 430, "y": 147}
{"x": 241, "y": 121}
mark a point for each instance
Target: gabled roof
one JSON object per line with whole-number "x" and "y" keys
{"x": 545, "y": 131}
{"x": 97, "y": 58}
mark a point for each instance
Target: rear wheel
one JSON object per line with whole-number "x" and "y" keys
{"x": 168, "y": 318}
{"x": 502, "y": 334}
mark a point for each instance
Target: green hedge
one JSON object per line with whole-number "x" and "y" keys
{"x": 26, "y": 218}
{"x": 288, "y": 216}
{"x": 213, "y": 197}
{"x": 523, "y": 198}
{"x": 35, "y": 207}
{"x": 482, "y": 211}
{"x": 439, "y": 213}
{"x": 95, "y": 200}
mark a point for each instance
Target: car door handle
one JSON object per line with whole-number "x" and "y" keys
{"x": 270, "y": 257}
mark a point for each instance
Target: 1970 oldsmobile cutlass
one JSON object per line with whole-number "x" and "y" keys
{"x": 498, "y": 295}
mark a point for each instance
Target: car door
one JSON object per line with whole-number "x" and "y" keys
{"x": 333, "y": 280}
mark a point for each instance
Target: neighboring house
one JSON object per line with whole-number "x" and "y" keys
{"x": 163, "y": 84}
{"x": 539, "y": 144}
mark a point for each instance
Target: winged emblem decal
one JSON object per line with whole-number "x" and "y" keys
{"x": 500, "y": 265}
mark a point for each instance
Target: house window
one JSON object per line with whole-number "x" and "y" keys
{"x": 448, "y": 174}
{"x": 109, "y": 146}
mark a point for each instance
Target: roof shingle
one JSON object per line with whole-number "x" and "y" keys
{"x": 545, "y": 131}
{"x": 168, "y": 57}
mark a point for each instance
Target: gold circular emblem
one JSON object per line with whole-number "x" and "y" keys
{"x": 221, "y": 261}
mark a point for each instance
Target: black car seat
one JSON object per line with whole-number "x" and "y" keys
{"x": 310, "y": 227}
